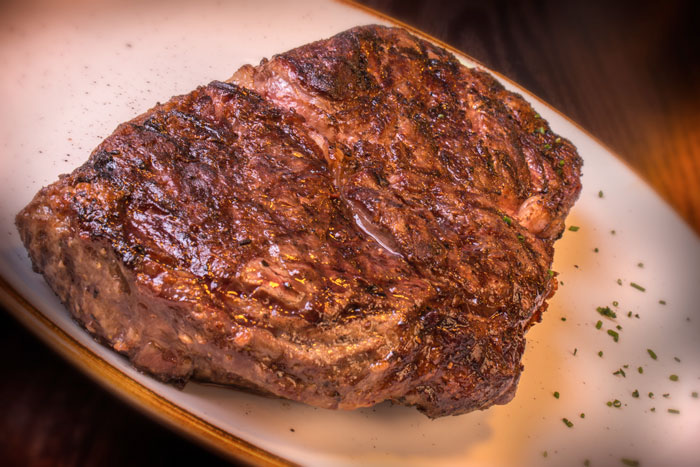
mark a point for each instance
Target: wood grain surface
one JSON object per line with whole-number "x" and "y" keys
{"x": 628, "y": 72}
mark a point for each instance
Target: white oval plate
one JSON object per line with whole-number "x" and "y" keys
{"x": 72, "y": 73}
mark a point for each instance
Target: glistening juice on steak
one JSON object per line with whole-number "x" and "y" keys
{"x": 356, "y": 220}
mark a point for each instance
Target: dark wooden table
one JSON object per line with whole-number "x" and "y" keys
{"x": 628, "y": 72}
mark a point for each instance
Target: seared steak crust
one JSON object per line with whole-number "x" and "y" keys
{"x": 356, "y": 220}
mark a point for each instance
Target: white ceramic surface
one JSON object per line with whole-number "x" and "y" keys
{"x": 70, "y": 73}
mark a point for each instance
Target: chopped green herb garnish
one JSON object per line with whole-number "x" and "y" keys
{"x": 600, "y": 194}
{"x": 563, "y": 318}
{"x": 630, "y": 462}
{"x": 651, "y": 395}
{"x": 653, "y": 409}
{"x": 600, "y": 353}
{"x": 620, "y": 372}
{"x": 662, "y": 302}
{"x": 596, "y": 250}
{"x": 583, "y": 415}
{"x": 507, "y": 220}
{"x": 556, "y": 394}
{"x": 562, "y": 163}
{"x": 574, "y": 228}
{"x": 558, "y": 140}
{"x": 575, "y": 350}
{"x": 694, "y": 395}
{"x": 629, "y": 315}
{"x": 599, "y": 324}
{"x": 548, "y": 146}
{"x": 635, "y": 393}
{"x": 667, "y": 395}
{"x": 606, "y": 311}
{"x": 613, "y": 232}
{"x": 640, "y": 265}
{"x": 616, "y": 303}
{"x": 674, "y": 411}
{"x": 586, "y": 463}
{"x": 550, "y": 273}
{"x": 619, "y": 328}
{"x": 538, "y": 116}
{"x": 614, "y": 335}
{"x": 652, "y": 354}
{"x": 640, "y": 370}
{"x": 619, "y": 282}
{"x": 673, "y": 377}
{"x": 638, "y": 287}
{"x": 677, "y": 359}
{"x": 540, "y": 130}
{"x": 567, "y": 422}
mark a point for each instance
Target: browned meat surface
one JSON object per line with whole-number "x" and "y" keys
{"x": 356, "y": 220}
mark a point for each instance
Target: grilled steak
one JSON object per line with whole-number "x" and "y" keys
{"x": 356, "y": 220}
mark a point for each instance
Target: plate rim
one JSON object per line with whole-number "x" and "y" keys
{"x": 158, "y": 407}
